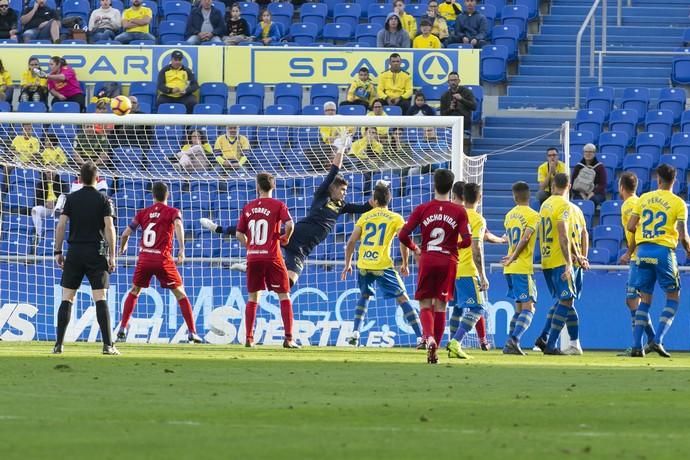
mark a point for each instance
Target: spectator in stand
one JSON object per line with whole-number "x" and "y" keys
{"x": 8, "y": 21}
{"x": 361, "y": 90}
{"x": 236, "y": 25}
{"x": 33, "y": 87}
{"x": 104, "y": 22}
{"x": 5, "y": 84}
{"x": 266, "y": 31}
{"x": 439, "y": 26}
{"x": 420, "y": 107}
{"x": 177, "y": 83}
{"x": 196, "y": 155}
{"x": 136, "y": 136}
{"x": 546, "y": 173}
{"x": 62, "y": 82}
{"x": 368, "y": 152}
{"x": 408, "y": 22}
{"x": 330, "y": 134}
{"x": 589, "y": 177}
{"x": 52, "y": 155}
{"x": 90, "y": 145}
{"x": 135, "y": 22}
{"x": 231, "y": 149}
{"x": 450, "y": 10}
{"x": 471, "y": 26}
{"x": 47, "y": 192}
{"x": 395, "y": 85}
{"x": 392, "y": 35}
{"x": 40, "y": 22}
{"x": 103, "y": 106}
{"x": 458, "y": 101}
{"x": 377, "y": 111}
{"x": 26, "y": 146}
{"x": 426, "y": 39}
{"x": 205, "y": 24}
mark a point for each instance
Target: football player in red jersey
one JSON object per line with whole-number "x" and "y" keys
{"x": 259, "y": 231}
{"x": 158, "y": 223}
{"x": 442, "y": 224}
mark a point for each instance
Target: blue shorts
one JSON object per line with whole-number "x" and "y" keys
{"x": 521, "y": 288}
{"x": 578, "y": 280}
{"x": 630, "y": 289}
{"x": 467, "y": 293}
{"x": 294, "y": 261}
{"x": 559, "y": 289}
{"x": 655, "y": 262}
{"x": 388, "y": 281}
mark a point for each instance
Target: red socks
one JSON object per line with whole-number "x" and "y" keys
{"x": 249, "y": 319}
{"x": 426, "y": 317}
{"x": 480, "y": 327}
{"x": 186, "y": 309}
{"x": 287, "y": 314}
{"x": 439, "y": 326}
{"x": 130, "y": 302}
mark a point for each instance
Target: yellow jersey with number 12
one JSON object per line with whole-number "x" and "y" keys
{"x": 659, "y": 211}
{"x": 519, "y": 219}
{"x": 554, "y": 210}
{"x": 466, "y": 266}
{"x": 626, "y": 211}
{"x": 379, "y": 226}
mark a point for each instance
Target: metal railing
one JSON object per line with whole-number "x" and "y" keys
{"x": 591, "y": 22}
{"x": 601, "y": 54}
{"x": 619, "y": 12}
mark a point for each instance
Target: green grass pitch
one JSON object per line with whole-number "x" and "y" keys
{"x": 208, "y": 402}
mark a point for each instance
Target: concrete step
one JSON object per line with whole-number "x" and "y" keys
{"x": 519, "y": 130}
{"x": 513, "y": 121}
{"x": 520, "y": 102}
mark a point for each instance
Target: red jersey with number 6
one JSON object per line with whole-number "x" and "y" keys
{"x": 158, "y": 226}
{"x": 261, "y": 221}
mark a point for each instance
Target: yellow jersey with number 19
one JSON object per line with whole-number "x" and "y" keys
{"x": 466, "y": 266}
{"x": 379, "y": 226}
{"x": 554, "y": 210}
{"x": 659, "y": 211}
{"x": 516, "y": 222}
{"x": 626, "y": 211}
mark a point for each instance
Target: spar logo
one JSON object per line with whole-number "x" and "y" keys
{"x": 434, "y": 68}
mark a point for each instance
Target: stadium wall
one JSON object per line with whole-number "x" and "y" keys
{"x": 323, "y": 312}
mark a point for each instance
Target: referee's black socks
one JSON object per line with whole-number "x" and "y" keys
{"x": 103, "y": 316}
{"x": 63, "y": 317}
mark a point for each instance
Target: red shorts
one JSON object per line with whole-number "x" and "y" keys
{"x": 161, "y": 267}
{"x": 436, "y": 277}
{"x": 267, "y": 275}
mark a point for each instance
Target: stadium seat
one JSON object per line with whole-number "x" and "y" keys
{"x": 352, "y": 110}
{"x": 214, "y": 93}
{"x": 600, "y": 256}
{"x": 677, "y": 185}
{"x": 347, "y": 13}
{"x": 680, "y": 144}
{"x": 478, "y": 92}
{"x": 498, "y": 6}
{"x": 65, "y": 107}
{"x": 587, "y": 208}
{"x": 614, "y": 142}
{"x": 608, "y": 237}
{"x": 591, "y": 120}
{"x": 660, "y": 121}
{"x": 636, "y": 99}
{"x": 250, "y": 12}
{"x": 314, "y": 13}
{"x": 127, "y": 159}
{"x": 639, "y": 164}
{"x": 494, "y": 59}
{"x": 322, "y": 93}
{"x": 288, "y": 94}
{"x": 685, "y": 122}
{"x": 251, "y": 94}
{"x": 144, "y": 91}
{"x": 170, "y": 32}
{"x": 508, "y": 36}
{"x": 366, "y": 34}
{"x": 37, "y": 107}
{"x": 80, "y": 8}
{"x": 282, "y": 13}
{"x": 434, "y": 92}
{"x": 624, "y": 120}
{"x": 600, "y": 97}
{"x": 172, "y": 108}
{"x": 672, "y": 99}
{"x": 5, "y": 106}
{"x": 610, "y": 212}
{"x": 243, "y": 109}
{"x": 337, "y": 32}
{"x": 611, "y": 162}
{"x": 392, "y": 110}
{"x": 680, "y": 70}
{"x": 578, "y": 139}
{"x": 303, "y": 33}
{"x": 516, "y": 15}
{"x": 176, "y": 11}
{"x": 681, "y": 257}
{"x": 489, "y": 11}
{"x": 680, "y": 162}
{"x": 532, "y": 8}
{"x": 207, "y": 109}
{"x": 652, "y": 144}
{"x": 377, "y": 13}
{"x": 313, "y": 109}
{"x": 417, "y": 10}
{"x": 282, "y": 109}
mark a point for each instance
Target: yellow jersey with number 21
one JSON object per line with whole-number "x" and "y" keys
{"x": 379, "y": 226}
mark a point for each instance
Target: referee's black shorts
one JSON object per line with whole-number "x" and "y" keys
{"x": 87, "y": 261}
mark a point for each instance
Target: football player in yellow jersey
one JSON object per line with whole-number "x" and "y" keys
{"x": 555, "y": 242}
{"x": 627, "y": 186}
{"x": 470, "y": 281}
{"x": 376, "y": 229}
{"x": 520, "y": 224}
{"x": 658, "y": 221}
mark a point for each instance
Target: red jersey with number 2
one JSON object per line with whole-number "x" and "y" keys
{"x": 158, "y": 225}
{"x": 442, "y": 223}
{"x": 261, "y": 221}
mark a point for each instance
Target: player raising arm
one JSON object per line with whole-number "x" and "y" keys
{"x": 259, "y": 231}
{"x": 380, "y": 226}
{"x": 158, "y": 223}
{"x": 442, "y": 225}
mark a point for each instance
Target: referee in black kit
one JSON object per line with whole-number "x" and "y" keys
{"x": 91, "y": 253}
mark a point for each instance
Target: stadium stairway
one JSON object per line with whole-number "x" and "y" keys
{"x": 546, "y": 75}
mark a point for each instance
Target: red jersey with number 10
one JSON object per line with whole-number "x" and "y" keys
{"x": 158, "y": 225}
{"x": 260, "y": 221}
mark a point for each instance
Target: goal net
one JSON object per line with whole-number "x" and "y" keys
{"x": 208, "y": 164}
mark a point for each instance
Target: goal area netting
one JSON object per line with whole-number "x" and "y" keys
{"x": 209, "y": 164}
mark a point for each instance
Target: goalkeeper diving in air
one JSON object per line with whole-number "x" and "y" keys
{"x": 329, "y": 203}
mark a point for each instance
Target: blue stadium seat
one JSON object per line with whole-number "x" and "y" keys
{"x": 214, "y": 93}
{"x": 392, "y": 110}
{"x": 478, "y": 92}
{"x": 614, "y": 142}
{"x": 243, "y": 109}
{"x": 419, "y": 187}
{"x": 352, "y": 110}
{"x": 680, "y": 70}
{"x": 591, "y": 120}
{"x": 624, "y": 120}
{"x": 314, "y": 109}
{"x": 507, "y": 35}
{"x": 176, "y": 11}
{"x": 323, "y": 93}
{"x": 608, "y": 237}
{"x": 681, "y": 257}
{"x": 347, "y": 13}
{"x": 434, "y": 92}
{"x": 672, "y": 99}
{"x": 65, "y": 107}
{"x": 677, "y": 186}
{"x": 489, "y": 11}
{"x": 377, "y": 13}
{"x": 600, "y": 97}
{"x": 516, "y": 15}
{"x": 282, "y": 13}
{"x": 494, "y": 59}
{"x": 587, "y": 208}
{"x": 251, "y": 94}
{"x": 36, "y": 107}
{"x": 600, "y": 256}
{"x": 288, "y": 94}
{"x": 337, "y": 32}
{"x": 207, "y": 109}
{"x": 660, "y": 121}
{"x": 641, "y": 165}
{"x": 250, "y": 12}
{"x": 304, "y": 33}
{"x": 636, "y": 99}
{"x": 498, "y": 6}
{"x": 611, "y": 162}
{"x": 282, "y": 109}
{"x": 652, "y": 144}
{"x": 171, "y": 32}
{"x": 366, "y": 34}
{"x": 578, "y": 139}
{"x": 680, "y": 162}
{"x": 276, "y": 137}
{"x": 5, "y": 106}
{"x": 417, "y": 10}
{"x": 314, "y": 13}
{"x": 532, "y": 8}
{"x": 79, "y": 8}
{"x": 610, "y": 212}
{"x": 172, "y": 108}
{"x": 680, "y": 144}
{"x": 127, "y": 159}
{"x": 685, "y": 122}
{"x": 145, "y": 92}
